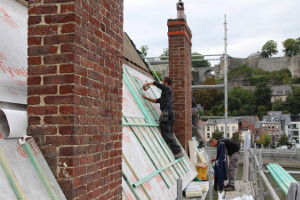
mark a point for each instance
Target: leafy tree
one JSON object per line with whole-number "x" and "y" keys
{"x": 164, "y": 54}
{"x": 293, "y": 101}
{"x": 144, "y": 50}
{"x": 199, "y": 63}
{"x": 262, "y": 96}
{"x": 278, "y": 105}
{"x": 291, "y": 47}
{"x": 240, "y": 102}
{"x": 218, "y": 135}
{"x": 236, "y": 137}
{"x": 267, "y": 139}
{"x": 270, "y": 48}
{"x": 207, "y": 98}
{"x": 283, "y": 140}
{"x": 261, "y": 111}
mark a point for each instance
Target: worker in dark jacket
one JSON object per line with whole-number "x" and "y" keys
{"x": 233, "y": 151}
{"x": 167, "y": 117}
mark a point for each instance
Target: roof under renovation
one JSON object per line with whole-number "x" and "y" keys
{"x": 149, "y": 168}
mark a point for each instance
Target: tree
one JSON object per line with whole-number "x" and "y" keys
{"x": 291, "y": 47}
{"x": 144, "y": 50}
{"x": 199, "y": 63}
{"x": 270, "y": 48}
{"x": 218, "y": 135}
{"x": 267, "y": 139}
{"x": 240, "y": 102}
{"x": 262, "y": 96}
{"x": 207, "y": 98}
{"x": 293, "y": 101}
{"x": 283, "y": 140}
{"x": 278, "y": 105}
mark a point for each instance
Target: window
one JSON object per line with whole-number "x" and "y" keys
{"x": 208, "y": 128}
{"x": 208, "y": 135}
{"x": 228, "y": 135}
{"x": 222, "y": 128}
{"x": 276, "y": 126}
{"x": 233, "y": 128}
{"x": 272, "y": 126}
{"x": 269, "y": 127}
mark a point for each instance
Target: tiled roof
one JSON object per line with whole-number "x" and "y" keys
{"x": 132, "y": 56}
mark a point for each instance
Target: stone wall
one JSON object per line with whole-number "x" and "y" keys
{"x": 294, "y": 66}
{"x": 273, "y": 64}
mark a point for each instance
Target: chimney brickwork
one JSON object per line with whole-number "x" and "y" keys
{"x": 180, "y": 72}
{"x": 75, "y": 51}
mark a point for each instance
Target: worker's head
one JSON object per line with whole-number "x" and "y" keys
{"x": 167, "y": 81}
{"x": 213, "y": 142}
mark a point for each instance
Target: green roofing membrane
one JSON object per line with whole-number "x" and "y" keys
{"x": 149, "y": 168}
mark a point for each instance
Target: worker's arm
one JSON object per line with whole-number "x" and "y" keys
{"x": 149, "y": 99}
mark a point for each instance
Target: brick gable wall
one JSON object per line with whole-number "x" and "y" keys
{"x": 75, "y": 93}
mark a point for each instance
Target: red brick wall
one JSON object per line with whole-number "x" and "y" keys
{"x": 74, "y": 93}
{"x": 180, "y": 72}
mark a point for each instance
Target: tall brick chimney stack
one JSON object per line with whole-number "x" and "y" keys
{"x": 180, "y": 71}
{"x": 75, "y": 51}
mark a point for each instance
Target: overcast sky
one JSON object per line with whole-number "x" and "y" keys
{"x": 250, "y": 24}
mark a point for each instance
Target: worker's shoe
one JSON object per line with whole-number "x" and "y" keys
{"x": 229, "y": 188}
{"x": 179, "y": 155}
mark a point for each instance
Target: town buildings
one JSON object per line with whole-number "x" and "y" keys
{"x": 275, "y": 124}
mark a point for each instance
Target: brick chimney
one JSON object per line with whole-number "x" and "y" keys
{"x": 180, "y": 71}
{"x": 75, "y": 93}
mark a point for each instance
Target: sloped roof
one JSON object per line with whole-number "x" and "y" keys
{"x": 148, "y": 166}
{"x": 132, "y": 56}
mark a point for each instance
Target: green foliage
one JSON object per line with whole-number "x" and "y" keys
{"x": 239, "y": 102}
{"x": 267, "y": 139}
{"x": 144, "y": 50}
{"x": 262, "y": 97}
{"x": 257, "y": 75}
{"x": 218, "y": 135}
{"x": 236, "y": 137}
{"x": 207, "y": 98}
{"x": 256, "y": 79}
{"x": 291, "y": 47}
{"x": 199, "y": 63}
{"x": 278, "y": 105}
{"x": 293, "y": 101}
{"x": 270, "y": 48}
{"x": 283, "y": 140}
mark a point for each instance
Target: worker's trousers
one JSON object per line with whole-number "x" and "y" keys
{"x": 166, "y": 123}
{"x": 232, "y": 168}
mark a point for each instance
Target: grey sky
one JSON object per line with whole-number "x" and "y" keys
{"x": 250, "y": 23}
